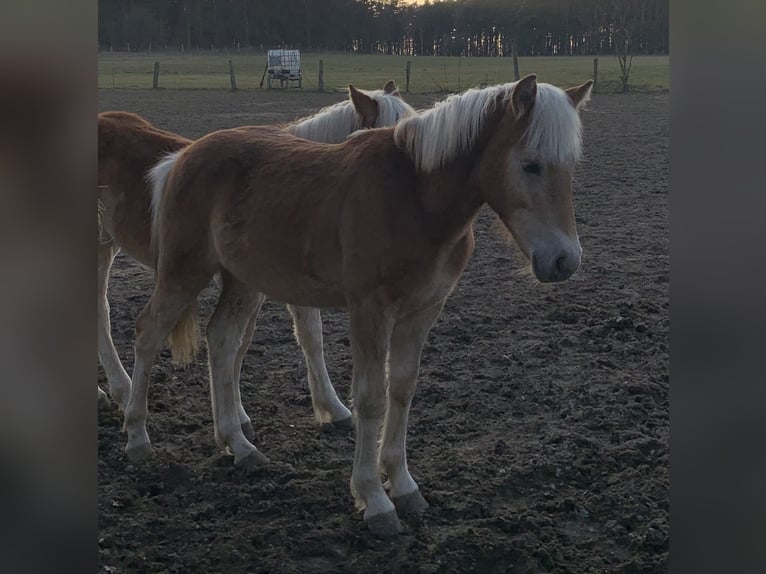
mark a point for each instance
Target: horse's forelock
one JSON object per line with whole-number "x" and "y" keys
{"x": 554, "y": 132}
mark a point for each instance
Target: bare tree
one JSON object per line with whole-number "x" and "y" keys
{"x": 624, "y": 24}
{"x": 515, "y": 16}
{"x": 188, "y": 22}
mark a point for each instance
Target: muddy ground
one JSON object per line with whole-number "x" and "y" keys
{"x": 539, "y": 431}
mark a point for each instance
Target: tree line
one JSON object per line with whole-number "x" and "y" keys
{"x": 437, "y": 28}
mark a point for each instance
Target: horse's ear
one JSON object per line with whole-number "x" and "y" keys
{"x": 524, "y": 95}
{"x": 390, "y": 88}
{"x": 580, "y": 95}
{"x": 364, "y": 105}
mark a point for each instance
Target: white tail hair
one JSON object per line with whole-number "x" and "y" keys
{"x": 157, "y": 177}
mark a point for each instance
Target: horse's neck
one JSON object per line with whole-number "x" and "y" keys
{"x": 451, "y": 195}
{"x": 451, "y": 200}
{"x": 331, "y": 126}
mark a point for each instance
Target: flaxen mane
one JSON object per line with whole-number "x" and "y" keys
{"x": 435, "y": 137}
{"x": 334, "y": 123}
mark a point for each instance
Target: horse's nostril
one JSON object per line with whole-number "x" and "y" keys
{"x": 555, "y": 269}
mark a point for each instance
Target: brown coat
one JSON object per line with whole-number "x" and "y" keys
{"x": 249, "y": 208}
{"x": 128, "y": 146}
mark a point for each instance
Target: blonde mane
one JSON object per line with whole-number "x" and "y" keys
{"x": 334, "y": 123}
{"x": 437, "y": 136}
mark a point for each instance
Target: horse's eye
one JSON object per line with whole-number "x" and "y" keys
{"x": 531, "y": 167}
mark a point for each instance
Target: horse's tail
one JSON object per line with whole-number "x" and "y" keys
{"x": 158, "y": 177}
{"x": 185, "y": 336}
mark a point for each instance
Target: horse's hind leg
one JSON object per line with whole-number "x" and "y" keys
{"x": 226, "y": 334}
{"x": 119, "y": 381}
{"x": 153, "y": 325}
{"x": 244, "y": 419}
{"x": 328, "y": 409}
{"x": 407, "y": 341}
{"x": 371, "y": 325}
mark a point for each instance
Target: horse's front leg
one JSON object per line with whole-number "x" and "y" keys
{"x": 328, "y": 409}
{"x": 407, "y": 341}
{"x": 119, "y": 381}
{"x": 371, "y": 325}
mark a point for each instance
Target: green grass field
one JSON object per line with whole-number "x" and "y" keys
{"x": 429, "y": 73}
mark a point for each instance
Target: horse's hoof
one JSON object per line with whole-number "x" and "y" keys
{"x": 412, "y": 503}
{"x": 248, "y": 430}
{"x": 346, "y": 424}
{"x": 385, "y": 525}
{"x": 141, "y": 453}
{"x": 343, "y": 425}
{"x": 254, "y": 460}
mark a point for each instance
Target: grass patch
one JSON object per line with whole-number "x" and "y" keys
{"x": 429, "y": 73}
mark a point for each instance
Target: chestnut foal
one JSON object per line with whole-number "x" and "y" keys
{"x": 381, "y": 224}
{"x": 129, "y": 146}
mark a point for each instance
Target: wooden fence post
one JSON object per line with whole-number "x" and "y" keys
{"x": 515, "y": 56}
{"x": 320, "y": 84}
{"x": 232, "y": 79}
{"x": 409, "y": 68}
{"x": 156, "y": 80}
{"x": 595, "y": 73}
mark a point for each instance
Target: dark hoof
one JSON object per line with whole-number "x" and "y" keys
{"x": 346, "y": 424}
{"x": 140, "y": 454}
{"x": 254, "y": 460}
{"x": 412, "y": 503}
{"x": 248, "y": 430}
{"x": 343, "y": 425}
{"x": 384, "y": 525}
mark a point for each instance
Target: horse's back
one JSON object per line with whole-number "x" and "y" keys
{"x": 306, "y": 211}
{"x": 251, "y": 198}
{"x": 132, "y": 136}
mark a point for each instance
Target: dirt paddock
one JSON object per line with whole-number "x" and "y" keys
{"x": 538, "y": 433}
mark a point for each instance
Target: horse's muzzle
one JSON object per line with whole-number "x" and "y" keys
{"x": 558, "y": 265}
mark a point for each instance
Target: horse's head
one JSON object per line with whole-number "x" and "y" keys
{"x": 527, "y": 169}
{"x": 379, "y": 108}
